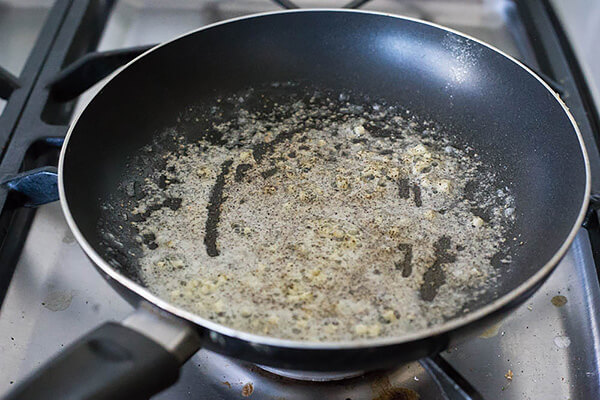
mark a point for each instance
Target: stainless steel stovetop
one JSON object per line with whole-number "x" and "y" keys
{"x": 551, "y": 349}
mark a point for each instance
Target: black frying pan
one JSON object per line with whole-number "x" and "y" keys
{"x": 494, "y": 103}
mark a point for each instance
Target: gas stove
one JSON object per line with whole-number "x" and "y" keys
{"x": 54, "y": 57}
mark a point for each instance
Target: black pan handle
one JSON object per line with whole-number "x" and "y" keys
{"x": 134, "y": 359}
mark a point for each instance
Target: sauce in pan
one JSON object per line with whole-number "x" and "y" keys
{"x": 319, "y": 220}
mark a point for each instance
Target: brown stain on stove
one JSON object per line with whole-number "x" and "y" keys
{"x": 68, "y": 238}
{"x": 58, "y": 300}
{"x": 558, "y": 301}
{"x": 226, "y": 383}
{"x": 399, "y": 394}
{"x": 383, "y": 390}
{"x": 247, "y": 389}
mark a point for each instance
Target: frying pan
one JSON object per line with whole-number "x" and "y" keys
{"x": 491, "y": 101}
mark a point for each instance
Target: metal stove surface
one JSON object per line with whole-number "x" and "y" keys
{"x": 55, "y": 296}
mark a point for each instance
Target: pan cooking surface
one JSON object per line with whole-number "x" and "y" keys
{"x": 322, "y": 217}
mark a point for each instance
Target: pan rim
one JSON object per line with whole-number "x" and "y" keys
{"x": 433, "y": 331}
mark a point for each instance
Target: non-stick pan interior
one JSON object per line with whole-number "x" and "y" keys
{"x": 487, "y": 100}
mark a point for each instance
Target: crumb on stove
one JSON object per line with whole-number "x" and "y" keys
{"x": 247, "y": 389}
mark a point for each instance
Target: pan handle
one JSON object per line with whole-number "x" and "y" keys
{"x": 134, "y": 359}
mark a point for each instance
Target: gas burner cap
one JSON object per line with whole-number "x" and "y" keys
{"x": 312, "y": 376}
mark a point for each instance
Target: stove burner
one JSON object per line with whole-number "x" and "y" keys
{"x": 312, "y": 376}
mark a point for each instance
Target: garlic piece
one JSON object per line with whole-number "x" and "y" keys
{"x": 477, "y": 222}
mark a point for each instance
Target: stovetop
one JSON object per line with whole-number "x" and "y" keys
{"x": 548, "y": 348}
